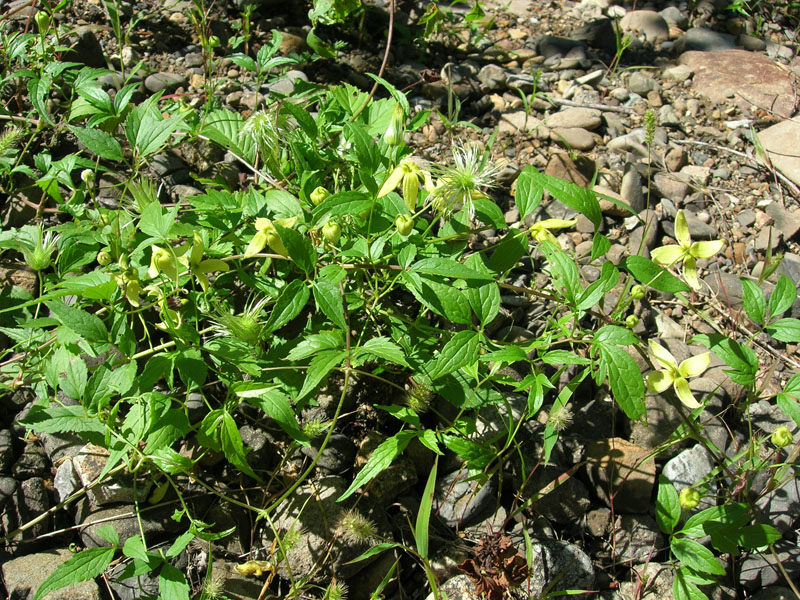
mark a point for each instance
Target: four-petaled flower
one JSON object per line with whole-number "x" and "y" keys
{"x": 686, "y": 251}
{"x": 674, "y": 375}
{"x": 267, "y": 235}
{"x": 199, "y": 267}
{"x": 541, "y": 231}
{"x": 410, "y": 174}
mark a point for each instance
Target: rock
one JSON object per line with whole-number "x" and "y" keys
{"x": 679, "y": 73}
{"x": 787, "y": 221}
{"x": 689, "y": 468}
{"x": 631, "y": 188}
{"x": 573, "y": 138}
{"x": 85, "y": 48}
{"x": 461, "y": 502}
{"x": 780, "y": 143}
{"x": 648, "y": 23}
{"x": 623, "y": 470}
{"x": 557, "y": 566}
{"x": 235, "y": 585}
{"x": 671, "y": 186}
{"x": 759, "y": 570}
{"x": 31, "y": 463}
{"x": 632, "y": 141}
{"x": 652, "y": 581}
{"x": 157, "y": 523}
{"x": 641, "y": 84}
{"x": 6, "y": 450}
{"x": 492, "y": 78}
{"x": 26, "y": 501}
{"x": 704, "y": 40}
{"x": 550, "y": 45}
{"x": 697, "y": 229}
{"x": 744, "y": 78}
{"x": 562, "y": 166}
{"x": 66, "y": 481}
{"x": 781, "y": 507}
{"x": 585, "y": 118}
{"x": 128, "y": 586}
{"x": 598, "y": 34}
{"x": 8, "y": 486}
{"x": 662, "y": 421}
{"x": 518, "y": 120}
{"x": 89, "y": 464}
{"x": 338, "y": 456}
{"x": 774, "y": 592}
{"x": 636, "y": 539}
{"x": 165, "y": 82}
{"x": 459, "y": 587}
{"x": 607, "y": 206}
{"x": 699, "y": 175}
{"x": 24, "y": 575}
{"x": 58, "y": 446}
{"x": 643, "y": 238}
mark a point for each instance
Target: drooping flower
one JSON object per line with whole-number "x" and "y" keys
{"x": 464, "y": 181}
{"x": 38, "y": 250}
{"x": 267, "y": 235}
{"x": 199, "y": 267}
{"x": 671, "y": 374}
{"x": 686, "y": 251}
{"x": 541, "y": 231}
{"x": 128, "y": 280}
{"x": 409, "y": 173}
{"x": 162, "y": 261}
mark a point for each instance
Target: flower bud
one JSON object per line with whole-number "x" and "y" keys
{"x": 404, "y": 224}
{"x": 214, "y": 41}
{"x": 42, "y": 21}
{"x": 638, "y": 292}
{"x": 318, "y": 195}
{"x": 397, "y": 127}
{"x": 332, "y": 232}
{"x": 631, "y": 321}
{"x": 87, "y": 176}
{"x": 782, "y": 437}
{"x": 689, "y": 498}
{"x": 103, "y": 258}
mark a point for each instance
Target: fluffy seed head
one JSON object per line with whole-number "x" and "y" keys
{"x": 355, "y": 528}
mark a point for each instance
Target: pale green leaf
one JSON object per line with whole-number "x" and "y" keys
{"x": 84, "y": 566}
{"x": 380, "y": 460}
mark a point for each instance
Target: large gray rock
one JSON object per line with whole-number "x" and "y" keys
{"x": 461, "y": 502}
{"x": 760, "y": 570}
{"x": 24, "y": 575}
{"x": 705, "y": 40}
{"x": 157, "y": 523}
{"x": 637, "y": 539}
{"x": 689, "y": 468}
{"x": 781, "y": 507}
{"x": 586, "y": 118}
{"x": 6, "y": 450}
{"x": 647, "y": 23}
{"x": 557, "y": 566}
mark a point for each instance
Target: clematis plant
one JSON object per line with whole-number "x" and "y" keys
{"x": 162, "y": 261}
{"x": 542, "y": 231}
{"x": 463, "y": 182}
{"x": 199, "y": 267}
{"x": 686, "y": 251}
{"x": 267, "y": 235}
{"x": 671, "y": 374}
{"x": 410, "y": 175}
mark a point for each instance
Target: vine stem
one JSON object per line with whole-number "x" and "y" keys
{"x": 383, "y": 63}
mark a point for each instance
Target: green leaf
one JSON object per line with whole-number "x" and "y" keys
{"x": 291, "y": 301}
{"x": 600, "y": 245}
{"x": 382, "y": 347}
{"x": 61, "y": 419}
{"x": 421, "y": 528}
{"x": 403, "y": 413}
{"x": 179, "y": 544}
{"x": 376, "y": 549}
{"x": 84, "y": 566}
{"x": 685, "y": 590}
{"x": 783, "y": 296}
{"x": 90, "y": 327}
{"x": 488, "y": 213}
{"x": 696, "y": 556}
{"x": 753, "y": 301}
{"x": 328, "y": 297}
{"x": 475, "y": 455}
{"x": 785, "y": 330}
{"x": 609, "y": 277}
{"x": 563, "y": 357}
{"x": 649, "y": 273}
{"x": 616, "y": 335}
{"x": 563, "y": 270}
{"x": 338, "y": 204}
{"x": 37, "y": 92}
{"x": 444, "y": 300}
{"x": 461, "y": 350}
{"x": 742, "y": 360}
{"x": 191, "y": 367}
{"x": 757, "y": 536}
{"x": 576, "y": 197}
{"x": 105, "y": 382}
{"x": 156, "y": 222}
{"x": 447, "y": 267}
{"x": 99, "y": 142}
{"x": 724, "y": 536}
{"x": 318, "y": 45}
{"x": 322, "y": 364}
{"x": 108, "y": 533}
{"x": 313, "y": 343}
{"x": 232, "y": 446}
{"x": 74, "y": 381}
{"x": 485, "y": 301}
{"x": 134, "y": 548}
{"x": 508, "y": 252}
{"x": 529, "y": 194}
{"x": 147, "y": 130}
{"x": 172, "y": 584}
{"x": 736, "y": 515}
{"x": 507, "y": 354}
{"x": 169, "y": 428}
{"x": 627, "y": 384}
{"x": 668, "y": 509}
{"x": 300, "y": 249}
{"x": 276, "y": 405}
{"x": 380, "y": 460}
{"x": 303, "y": 118}
{"x": 789, "y": 399}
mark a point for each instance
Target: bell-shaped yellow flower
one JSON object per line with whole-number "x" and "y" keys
{"x": 541, "y": 231}
{"x": 163, "y": 261}
{"x": 199, "y": 267}
{"x": 671, "y": 374}
{"x": 686, "y": 251}
{"x": 410, "y": 175}
{"x": 267, "y": 235}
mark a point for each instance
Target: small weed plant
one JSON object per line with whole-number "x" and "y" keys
{"x": 340, "y": 256}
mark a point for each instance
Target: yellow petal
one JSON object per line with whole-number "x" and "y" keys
{"x": 203, "y": 281}
{"x": 426, "y": 177}
{"x": 410, "y": 190}
{"x": 685, "y": 394}
{"x": 706, "y": 249}
{"x": 690, "y": 272}
{"x": 682, "y": 230}
{"x": 556, "y": 223}
{"x": 663, "y": 356}
{"x": 132, "y": 292}
{"x": 210, "y": 265}
{"x": 659, "y": 381}
{"x": 257, "y": 243}
{"x": 197, "y": 249}
{"x": 666, "y": 255}
{"x": 392, "y": 181}
{"x": 694, "y": 365}
{"x": 287, "y": 222}
{"x": 262, "y": 223}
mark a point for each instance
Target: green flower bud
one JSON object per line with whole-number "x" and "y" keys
{"x": 782, "y": 437}
{"x": 214, "y": 41}
{"x": 104, "y": 258}
{"x": 638, "y": 292}
{"x": 42, "y": 21}
{"x": 332, "y": 232}
{"x": 318, "y": 195}
{"x": 87, "y": 176}
{"x": 689, "y": 498}
{"x": 404, "y": 224}
{"x": 631, "y": 321}
{"x": 397, "y": 127}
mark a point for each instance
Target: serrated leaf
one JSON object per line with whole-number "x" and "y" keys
{"x": 488, "y": 213}
{"x": 789, "y": 399}
{"x": 757, "y": 536}
{"x": 328, "y": 297}
{"x": 508, "y": 252}
{"x": 380, "y": 460}
{"x": 735, "y": 514}
{"x": 232, "y": 446}
{"x": 507, "y": 354}
{"x": 276, "y": 405}
{"x": 90, "y": 327}
{"x": 783, "y": 296}
{"x": 84, "y": 566}
{"x": 157, "y": 222}
{"x": 446, "y": 267}
{"x": 686, "y": 590}
{"x": 403, "y": 413}
{"x": 600, "y": 245}
{"x": 170, "y": 427}
{"x": 485, "y": 301}
{"x": 461, "y": 350}
{"x": 303, "y": 118}
{"x": 668, "y": 509}
{"x": 576, "y": 197}
{"x": 313, "y": 343}
{"x": 528, "y": 195}
{"x": 627, "y": 384}
{"x": 61, "y": 419}
{"x": 742, "y": 360}
{"x": 172, "y": 584}
{"x": 383, "y": 347}
{"x": 73, "y": 383}
{"x": 696, "y": 556}
{"x": 753, "y": 301}
{"x": 648, "y": 273}
{"x": 179, "y": 544}
{"x": 321, "y": 365}
{"x": 563, "y": 357}
{"x": 134, "y": 548}
{"x": 338, "y": 204}
{"x": 785, "y": 330}
{"x": 99, "y": 142}
{"x": 444, "y": 300}
{"x": 299, "y": 248}
{"x": 291, "y": 301}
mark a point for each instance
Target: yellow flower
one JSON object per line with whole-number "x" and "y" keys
{"x": 686, "y": 251}
{"x": 199, "y": 267}
{"x": 170, "y": 318}
{"x": 674, "y": 375}
{"x": 541, "y": 231}
{"x": 410, "y": 174}
{"x": 267, "y": 235}
{"x": 162, "y": 261}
